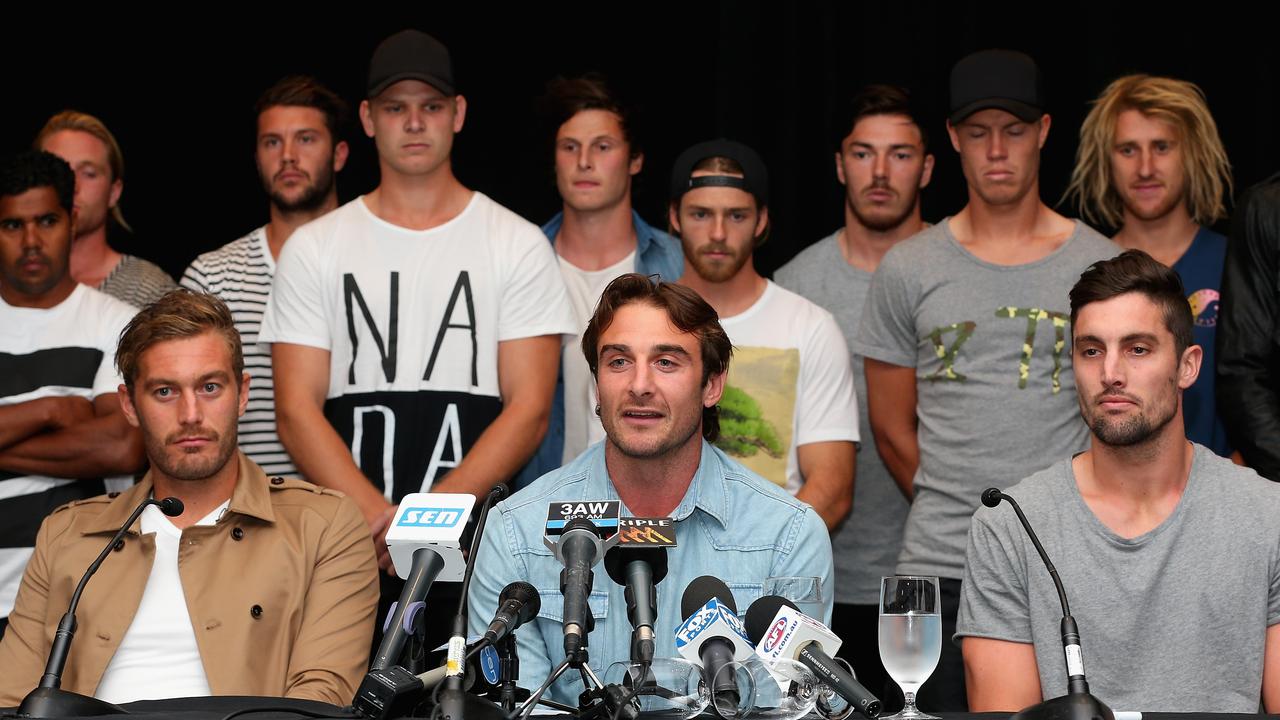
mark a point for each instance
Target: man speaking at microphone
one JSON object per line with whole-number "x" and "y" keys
{"x": 1169, "y": 554}
{"x": 659, "y": 357}
{"x": 260, "y": 587}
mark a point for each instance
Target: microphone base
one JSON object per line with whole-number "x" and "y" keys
{"x": 57, "y": 703}
{"x": 1075, "y": 706}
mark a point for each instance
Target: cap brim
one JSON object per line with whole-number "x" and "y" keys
{"x": 1019, "y": 109}
{"x": 431, "y": 80}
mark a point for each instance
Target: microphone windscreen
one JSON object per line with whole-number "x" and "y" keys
{"x": 991, "y": 497}
{"x": 761, "y": 614}
{"x": 701, "y": 590}
{"x": 171, "y": 506}
{"x": 619, "y": 556}
{"x": 525, "y": 593}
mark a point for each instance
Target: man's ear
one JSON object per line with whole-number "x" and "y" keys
{"x": 126, "y": 404}
{"x": 713, "y": 390}
{"x": 1189, "y": 366}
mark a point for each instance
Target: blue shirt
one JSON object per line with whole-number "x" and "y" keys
{"x": 656, "y": 253}
{"x": 732, "y": 524}
{"x": 1200, "y": 268}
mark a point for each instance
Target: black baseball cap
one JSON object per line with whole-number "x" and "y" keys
{"x": 1004, "y": 79}
{"x": 755, "y": 179}
{"x": 410, "y": 55}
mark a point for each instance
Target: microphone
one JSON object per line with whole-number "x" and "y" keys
{"x": 639, "y": 569}
{"x": 48, "y": 699}
{"x": 781, "y": 631}
{"x": 423, "y": 541}
{"x": 578, "y": 549}
{"x": 519, "y": 603}
{"x": 1078, "y": 702}
{"x": 713, "y": 638}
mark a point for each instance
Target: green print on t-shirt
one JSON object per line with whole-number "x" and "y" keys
{"x": 964, "y": 330}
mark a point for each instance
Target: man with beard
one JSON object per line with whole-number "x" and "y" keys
{"x": 93, "y": 153}
{"x": 299, "y": 150}
{"x": 1151, "y": 164}
{"x": 1167, "y": 550}
{"x": 789, "y": 411}
{"x": 965, "y": 332}
{"x": 61, "y": 429}
{"x": 882, "y": 160}
{"x": 659, "y": 357}
{"x": 259, "y": 587}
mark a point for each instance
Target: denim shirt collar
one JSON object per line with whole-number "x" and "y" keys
{"x": 645, "y": 235}
{"x": 708, "y": 491}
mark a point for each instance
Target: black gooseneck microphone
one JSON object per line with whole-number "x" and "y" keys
{"x": 639, "y": 570}
{"x": 1078, "y": 702}
{"x": 579, "y": 548}
{"x": 49, "y": 700}
{"x": 517, "y": 605}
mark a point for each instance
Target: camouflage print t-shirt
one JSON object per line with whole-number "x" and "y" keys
{"x": 996, "y": 396}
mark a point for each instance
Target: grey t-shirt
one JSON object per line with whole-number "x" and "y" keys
{"x": 866, "y": 545}
{"x": 1173, "y": 620}
{"x": 995, "y": 393}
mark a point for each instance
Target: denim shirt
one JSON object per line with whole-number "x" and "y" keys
{"x": 731, "y": 524}
{"x": 656, "y": 253}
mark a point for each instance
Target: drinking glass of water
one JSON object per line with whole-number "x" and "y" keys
{"x": 910, "y": 636}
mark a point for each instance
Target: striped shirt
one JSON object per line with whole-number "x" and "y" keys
{"x": 240, "y": 273}
{"x": 136, "y": 281}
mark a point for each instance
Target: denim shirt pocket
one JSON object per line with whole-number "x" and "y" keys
{"x": 550, "y": 617}
{"x": 745, "y": 593}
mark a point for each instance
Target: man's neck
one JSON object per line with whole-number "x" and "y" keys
{"x": 1134, "y": 489}
{"x": 1165, "y": 238}
{"x": 1015, "y": 233}
{"x": 284, "y": 222}
{"x": 653, "y": 487}
{"x": 92, "y": 259}
{"x": 199, "y": 497}
{"x": 418, "y": 202}
{"x": 596, "y": 239}
{"x": 864, "y": 247}
{"x": 52, "y": 298}
{"x": 731, "y": 297}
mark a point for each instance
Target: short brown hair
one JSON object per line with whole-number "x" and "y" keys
{"x": 1136, "y": 271}
{"x": 305, "y": 91}
{"x": 687, "y": 311}
{"x": 179, "y": 314}
{"x": 86, "y": 123}
{"x": 567, "y": 96}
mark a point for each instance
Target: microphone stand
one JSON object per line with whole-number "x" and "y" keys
{"x": 1078, "y": 703}
{"x": 49, "y": 700}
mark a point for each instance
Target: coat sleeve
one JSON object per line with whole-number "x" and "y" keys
{"x": 331, "y": 652}
{"x": 24, "y": 649}
{"x": 1248, "y": 351}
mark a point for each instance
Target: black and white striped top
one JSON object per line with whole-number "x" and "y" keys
{"x": 136, "y": 281}
{"x": 240, "y": 273}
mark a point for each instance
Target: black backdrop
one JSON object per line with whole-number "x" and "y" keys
{"x": 177, "y": 83}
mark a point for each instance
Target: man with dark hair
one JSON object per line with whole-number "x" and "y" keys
{"x": 258, "y": 587}
{"x": 965, "y": 332}
{"x": 93, "y": 153}
{"x": 1248, "y": 353}
{"x": 1150, "y": 163}
{"x": 882, "y": 159}
{"x": 1168, "y": 551}
{"x": 298, "y": 150}
{"x": 415, "y": 330}
{"x": 61, "y": 429}
{"x": 597, "y": 236}
{"x": 790, "y": 410}
{"x": 660, "y": 358}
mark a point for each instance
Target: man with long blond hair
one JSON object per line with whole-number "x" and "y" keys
{"x": 93, "y": 153}
{"x": 1151, "y": 165}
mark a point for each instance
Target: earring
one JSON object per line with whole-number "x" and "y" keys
{"x": 597, "y": 410}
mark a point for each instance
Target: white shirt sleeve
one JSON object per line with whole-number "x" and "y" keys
{"x": 295, "y": 311}
{"x": 534, "y": 299}
{"x": 826, "y": 401}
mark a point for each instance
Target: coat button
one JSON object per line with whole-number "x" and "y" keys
{"x": 237, "y": 534}
{"x": 113, "y": 494}
{"x": 277, "y": 481}
{"x": 256, "y": 611}
{"x": 119, "y": 545}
